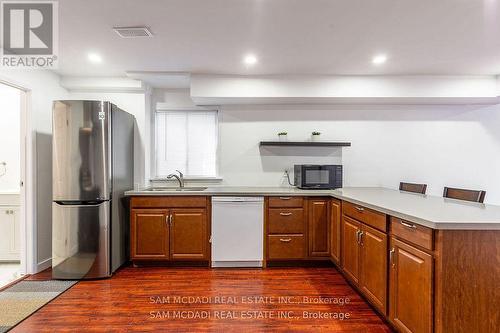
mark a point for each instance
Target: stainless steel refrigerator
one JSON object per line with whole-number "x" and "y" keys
{"x": 92, "y": 167}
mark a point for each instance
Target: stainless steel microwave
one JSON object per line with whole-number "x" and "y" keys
{"x": 318, "y": 176}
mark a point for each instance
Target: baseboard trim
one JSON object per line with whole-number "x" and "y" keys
{"x": 43, "y": 265}
{"x": 227, "y": 264}
{"x": 14, "y": 282}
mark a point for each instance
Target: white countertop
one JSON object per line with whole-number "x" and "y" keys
{"x": 431, "y": 211}
{"x": 237, "y": 191}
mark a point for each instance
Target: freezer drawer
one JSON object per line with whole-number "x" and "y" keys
{"x": 80, "y": 241}
{"x": 81, "y": 150}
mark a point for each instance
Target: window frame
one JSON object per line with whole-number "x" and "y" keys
{"x": 159, "y": 109}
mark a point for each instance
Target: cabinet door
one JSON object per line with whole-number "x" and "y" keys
{"x": 188, "y": 234}
{"x": 318, "y": 228}
{"x": 5, "y": 231}
{"x": 410, "y": 306}
{"x": 16, "y": 246}
{"x": 335, "y": 216}
{"x": 9, "y": 229}
{"x": 373, "y": 266}
{"x": 149, "y": 234}
{"x": 350, "y": 248}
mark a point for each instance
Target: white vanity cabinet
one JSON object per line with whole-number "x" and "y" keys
{"x": 9, "y": 233}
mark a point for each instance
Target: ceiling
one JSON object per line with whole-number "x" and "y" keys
{"x": 441, "y": 37}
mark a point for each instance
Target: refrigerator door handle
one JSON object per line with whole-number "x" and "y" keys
{"x": 73, "y": 203}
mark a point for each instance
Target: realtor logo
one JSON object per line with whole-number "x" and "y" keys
{"x": 29, "y": 34}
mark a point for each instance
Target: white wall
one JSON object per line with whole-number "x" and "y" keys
{"x": 10, "y": 149}
{"x": 437, "y": 145}
{"x": 43, "y": 87}
{"x": 243, "y": 162}
{"x": 174, "y": 98}
{"x": 317, "y": 89}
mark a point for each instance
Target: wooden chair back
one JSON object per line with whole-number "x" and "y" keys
{"x": 415, "y": 188}
{"x": 463, "y": 194}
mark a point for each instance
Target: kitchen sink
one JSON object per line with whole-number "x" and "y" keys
{"x": 178, "y": 189}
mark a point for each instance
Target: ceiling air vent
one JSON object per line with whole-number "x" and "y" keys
{"x": 133, "y": 32}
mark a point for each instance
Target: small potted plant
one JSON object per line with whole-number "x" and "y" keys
{"x": 283, "y": 136}
{"x": 315, "y": 136}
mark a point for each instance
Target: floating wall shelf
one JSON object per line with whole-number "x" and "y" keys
{"x": 305, "y": 143}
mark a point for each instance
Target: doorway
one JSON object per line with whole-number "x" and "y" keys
{"x": 12, "y": 153}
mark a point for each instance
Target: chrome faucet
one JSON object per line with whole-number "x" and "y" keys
{"x": 179, "y": 178}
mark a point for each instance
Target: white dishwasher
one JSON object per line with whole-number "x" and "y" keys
{"x": 237, "y": 231}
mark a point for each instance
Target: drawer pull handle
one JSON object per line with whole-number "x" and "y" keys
{"x": 285, "y": 214}
{"x": 285, "y": 198}
{"x": 408, "y": 225}
{"x": 285, "y": 240}
{"x": 361, "y": 238}
{"x": 391, "y": 257}
{"x": 359, "y": 209}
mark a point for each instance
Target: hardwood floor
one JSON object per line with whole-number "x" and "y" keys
{"x": 144, "y": 299}
{"x": 44, "y": 275}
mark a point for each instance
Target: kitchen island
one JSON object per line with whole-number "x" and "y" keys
{"x": 426, "y": 263}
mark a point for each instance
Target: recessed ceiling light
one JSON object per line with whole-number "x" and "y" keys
{"x": 250, "y": 59}
{"x": 379, "y": 59}
{"x": 94, "y": 58}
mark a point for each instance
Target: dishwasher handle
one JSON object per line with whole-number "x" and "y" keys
{"x": 237, "y": 199}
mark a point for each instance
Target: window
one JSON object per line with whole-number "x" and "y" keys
{"x": 186, "y": 141}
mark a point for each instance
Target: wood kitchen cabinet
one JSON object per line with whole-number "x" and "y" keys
{"x": 149, "y": 234}
{"x": 298, "y": 228}
{"x": 319, "y": 240}
{"x": 364, "y": 253}
{"x": 411, "y": 288}
{"x": 411, "y": 285}
{"x": 373, "y": 266}
{"x": 335, "y": 230}
{"x": 286, "y": 219}
{"x": 350, "y": 248}
{"x": 443, "y": 280}
{"x": 421, "y": 279}
{"x": 188, "y": 234}
{"x": 169, "y": 228}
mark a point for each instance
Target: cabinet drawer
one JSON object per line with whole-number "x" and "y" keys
{"x": 286, "y": 221}
{"x": 286, "y": 247}
{"x": 411, "y": 232}
{"x": 365, "y": 215}
{"x": 167, "y": 202}
{"x": 285, "y": 201}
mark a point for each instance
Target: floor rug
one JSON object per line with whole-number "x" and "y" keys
{"x": 24, "y": 298}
